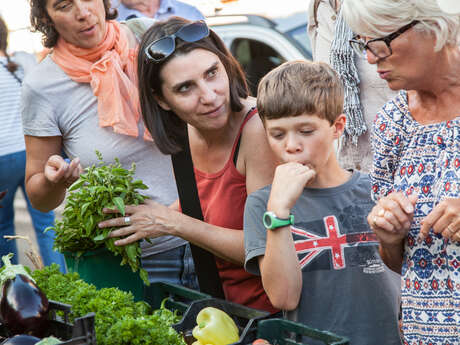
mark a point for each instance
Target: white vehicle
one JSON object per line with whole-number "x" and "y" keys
{"x": 261, "y": 44}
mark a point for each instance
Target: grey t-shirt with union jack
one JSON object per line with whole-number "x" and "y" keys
{"x": 347, "y": 289}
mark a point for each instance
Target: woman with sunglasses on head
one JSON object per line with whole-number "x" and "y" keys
{"x": 416, "y": 145}
{"x": 82, "y": 97}
{"x": 189, "y": 81}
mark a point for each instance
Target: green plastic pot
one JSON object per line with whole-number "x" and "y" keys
{"x": 102, "y": 269}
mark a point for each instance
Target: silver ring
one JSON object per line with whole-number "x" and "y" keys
{"x": 127, "y": 220}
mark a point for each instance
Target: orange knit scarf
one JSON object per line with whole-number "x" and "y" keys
{"x": 110, "y": 68}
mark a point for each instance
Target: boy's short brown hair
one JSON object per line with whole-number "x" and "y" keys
{"x": 300, "y": 87}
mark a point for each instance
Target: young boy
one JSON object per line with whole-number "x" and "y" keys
{"x": 307, "y": 234}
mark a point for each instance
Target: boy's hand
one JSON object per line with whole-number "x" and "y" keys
{"x": 289, "y": 181}
{"x": 391, "y": 218}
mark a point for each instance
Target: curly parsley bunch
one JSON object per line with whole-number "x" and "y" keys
{"x": 119, "y": 319}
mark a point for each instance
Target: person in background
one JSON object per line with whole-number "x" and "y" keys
{"x": 157, "y": 9}
{"x": 449, "y": 6}
{"x": 306, "y": 234}
{"x": 365, "y": 92}
{"x": 416, "y": 143}
{"x": 189, "y": 81}
{"x": 83, "y": 96}
{"x": 13, "y": 155}
{"x": 2, "y": 195}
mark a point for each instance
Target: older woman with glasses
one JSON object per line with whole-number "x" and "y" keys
{"x": 190, "y": 84}
{"x": 416, "y": 176}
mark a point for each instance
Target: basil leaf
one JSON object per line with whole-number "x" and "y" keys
{"x": 119, "y": 204}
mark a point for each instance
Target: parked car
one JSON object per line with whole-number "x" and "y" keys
{"x": 260, "y": 44}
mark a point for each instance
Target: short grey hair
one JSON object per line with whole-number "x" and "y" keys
{"x": 378, "y": 18}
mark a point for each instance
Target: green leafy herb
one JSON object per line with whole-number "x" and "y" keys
{"x": 99, "y": 187}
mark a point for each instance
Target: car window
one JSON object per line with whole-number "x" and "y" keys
{"x": 301, "y": 36}
{"x": 256, "y": 58}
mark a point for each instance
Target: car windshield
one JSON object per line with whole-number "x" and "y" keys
{"x": 300, "y": 35}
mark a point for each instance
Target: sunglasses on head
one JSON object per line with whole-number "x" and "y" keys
{"x": 161, "y": 48}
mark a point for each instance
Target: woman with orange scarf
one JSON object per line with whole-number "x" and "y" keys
{"x": 83, "y": 96}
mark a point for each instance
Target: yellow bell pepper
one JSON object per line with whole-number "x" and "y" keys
{"x": 214, "y": 327}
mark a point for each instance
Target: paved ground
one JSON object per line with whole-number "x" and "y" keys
{"x": 24, "y": 227}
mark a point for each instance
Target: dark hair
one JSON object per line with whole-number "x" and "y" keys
{"x": 41, "y": 21}
{"x": 11, "y": 66}
{"x": 166, "y": 127}
{"x": 300, "y": 87}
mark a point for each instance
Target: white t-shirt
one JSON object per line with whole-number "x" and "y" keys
{"x": 55, "y": 105}
{"x": 11, "y": 135}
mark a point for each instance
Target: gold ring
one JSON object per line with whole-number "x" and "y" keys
{"x": 450, "y": 230}
{"x": 374, "y": 221}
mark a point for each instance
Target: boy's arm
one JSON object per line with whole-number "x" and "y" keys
{"x": 281, "y": 279}
{"x": 279, "y": 267}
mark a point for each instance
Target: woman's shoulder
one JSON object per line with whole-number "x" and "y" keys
{"x": 44, "y": 73}
{"x": 25, "y": 60}
{"x": 253, "y": 124}
{"x": 395, "y": 113}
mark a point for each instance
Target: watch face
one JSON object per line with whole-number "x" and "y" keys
{"x": 267, "y": 220}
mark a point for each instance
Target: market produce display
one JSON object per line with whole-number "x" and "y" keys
{"x": 23, "y": 306}
{"x": 260, "y": 342}
{"x": 21, "y": 339}
{"x": 119, "y": 320}
{"x": 214, "y": 327}
{"x": 99, "y": 187}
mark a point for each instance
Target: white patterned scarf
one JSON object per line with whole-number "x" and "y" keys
{"x": 342, "y": 60}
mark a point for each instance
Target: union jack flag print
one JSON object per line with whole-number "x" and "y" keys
{"x": 334, "y": 241}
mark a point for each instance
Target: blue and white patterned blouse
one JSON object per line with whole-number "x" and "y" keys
{"x": 425, "y": 160}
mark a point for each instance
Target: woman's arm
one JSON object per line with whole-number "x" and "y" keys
{"x": 151, "y": 220}
{"x": 47, "y": 174}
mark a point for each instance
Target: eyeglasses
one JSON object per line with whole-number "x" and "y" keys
{"x": 380, "y": 47}
{"x": 160, "y": 49}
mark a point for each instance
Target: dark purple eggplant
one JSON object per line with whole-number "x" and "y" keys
{"x": 21, "y": 339}
{"x": 23, "y": 306}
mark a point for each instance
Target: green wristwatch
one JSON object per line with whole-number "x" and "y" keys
{"x": 271, "y": 221}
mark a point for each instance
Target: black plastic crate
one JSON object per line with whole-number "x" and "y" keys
{"x": 245, "y": 318}
{"x": 177, "y": 297}
{"x": 285, "y": 332}
{"x": 81, "y": 332}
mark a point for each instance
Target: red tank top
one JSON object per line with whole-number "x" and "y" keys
{"x": 222, "y": 197}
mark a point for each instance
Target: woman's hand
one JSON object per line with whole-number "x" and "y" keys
{"x": 58, "y": 171}
{"x": 444, "y": 219}
{"x": 142, "y": 221}
{"x": 391, "y": 218}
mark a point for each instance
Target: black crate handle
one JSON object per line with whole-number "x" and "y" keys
{"x": 205, "y": 262}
